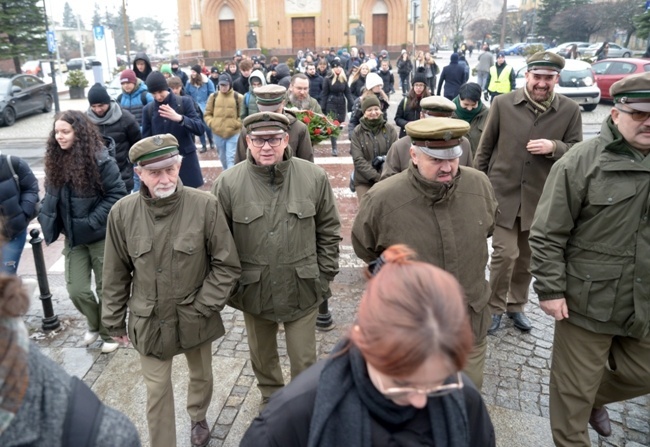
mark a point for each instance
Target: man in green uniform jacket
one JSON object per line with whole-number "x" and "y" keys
{"x": 442, "y": 211}
{"x": 282, "y": 214}
{"x": 590, "y": 244}
{"x": 170, "y": 260}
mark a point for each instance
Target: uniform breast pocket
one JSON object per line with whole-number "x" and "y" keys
{"x": 189, "y": 261}
{"x": 591, "y": 288}
{"x": 300, "y": 230}
{"x": 139, "y": 250}
{"x": 610, "y": 193}
{"x": 249, "y": 231}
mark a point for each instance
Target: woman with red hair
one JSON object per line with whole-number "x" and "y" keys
{"x": 395, "y": 380}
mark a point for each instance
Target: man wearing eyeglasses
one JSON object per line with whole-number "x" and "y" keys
{"x": 282, "y": 214}
{"x": 590, "y": 242}
{"x": 525, "y": 132}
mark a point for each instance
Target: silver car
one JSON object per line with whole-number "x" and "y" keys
{"x": 614, "y": 50}
{"x": 577, "y": 81}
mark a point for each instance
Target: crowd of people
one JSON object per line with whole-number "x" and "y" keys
{"x": 122, "y": 183}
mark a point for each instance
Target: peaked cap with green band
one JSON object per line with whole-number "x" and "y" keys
{"x": 153, "y": 149}
{"x": 633, "y": 91}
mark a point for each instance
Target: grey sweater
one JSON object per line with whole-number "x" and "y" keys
{"x": 39, "y": 421}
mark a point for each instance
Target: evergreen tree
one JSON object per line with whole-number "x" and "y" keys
{"x": 642, "y": 23}
{"x": 97, "y": 16}
{"x": 22, "y": 25}
{"x": 547, "y": 12}
{"x": 69, "y": 19}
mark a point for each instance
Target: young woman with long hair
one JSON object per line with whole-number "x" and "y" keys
{"x": 82, "y": 182}
{"x": 409, "y": 107}
{"x": 336, "y": 98}
{"x": 199, "y": 88}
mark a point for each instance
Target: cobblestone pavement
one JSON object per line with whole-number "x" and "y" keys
{"x": 516, "y": 370}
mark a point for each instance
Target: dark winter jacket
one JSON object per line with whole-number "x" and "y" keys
{"x": 357, "y": 87}
{"x": 142, "y": 75}
{"x": 133, "y": 101}
{"x": 315, "y": 86}
{"x": 41, "y": 416}
{"x": 283, "y": 75}
{"x": 181, "y": 74}
{"x": 82, "y": 219}
{"x": 367, "y": 144}
{"x": 241, "y": 85}
{"x": 405, "y": 114}
{"x": 388, "y": 79}
{"x": 404, "y": 67}
{"x": 453, "y": 76}
{"x": 17, "y": 204}
{"x": 336, "y": 99}
{"x": 192, "y": 124}
{"x": 287, "y": 419}
{"x": 123, "y": 128}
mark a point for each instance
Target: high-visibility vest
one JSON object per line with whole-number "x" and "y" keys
{"x": 500, "y": 83}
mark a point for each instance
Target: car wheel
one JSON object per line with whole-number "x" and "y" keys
{"x": 626, "y": 54}
{"x": 589, "y": 107}
{"x": 9, "y": 117}
{"x": 47, "y": 107}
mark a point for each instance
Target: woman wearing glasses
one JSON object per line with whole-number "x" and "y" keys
{"x": 395, "y": 380}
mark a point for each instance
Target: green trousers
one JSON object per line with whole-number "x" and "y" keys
{"x": 590, "y": 370}
{"x": 263, "y": 344}
{"x": 80, "y": 261}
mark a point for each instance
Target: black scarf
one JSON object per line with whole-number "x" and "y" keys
{"x": 346, "y": 398}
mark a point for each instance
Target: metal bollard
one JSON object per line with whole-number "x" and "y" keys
{"x": 324, "y": 320}
{"x": 50, "y": 321}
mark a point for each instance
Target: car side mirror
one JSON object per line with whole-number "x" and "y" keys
{"x": 16, "y": 89}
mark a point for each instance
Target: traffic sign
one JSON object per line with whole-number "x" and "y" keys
{"x": 51, "y": 42}
{"x": 99, "y": 32}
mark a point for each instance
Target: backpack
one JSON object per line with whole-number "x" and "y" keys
{"x": 12, "y": 168}
{"x": 83, "y": 416}
{"x": 143, "y": 98}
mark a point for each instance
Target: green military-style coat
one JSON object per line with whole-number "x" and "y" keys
{"x": 590, "y": 239}
{"x": 287, "y": 231}
{"x": 516, "y": 175}
{"x": 446, "y": 226}
{"x": 173, "y": 263}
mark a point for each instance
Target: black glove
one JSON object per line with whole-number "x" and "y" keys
{"x": 378, "y": 162}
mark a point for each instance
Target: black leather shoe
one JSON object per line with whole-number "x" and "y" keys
{"x": 202, "y": 150}
{"x": 520, "y": 320}
{"x": 599, "y": 421}
{"x": 496, "y": 322}
{"x": 335, "y": 153}
{"x": 200, "y": 435}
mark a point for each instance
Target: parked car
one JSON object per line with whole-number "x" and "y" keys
{"x": 614, "y": 50}
{"x": 563, "y": 48}
{"x": 609, "y": 71}
{"x": 23, "y": 94}
{"x": 577, "y": 81}
{"x": 114, "y": 88}
{"x": 514, "y": 49}
{"x": 77, "y": 64}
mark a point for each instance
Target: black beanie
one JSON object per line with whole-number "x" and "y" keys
{"x": 156, "y": 82}
{"x": 98, "y": 95}
{"x": 419, "y": 76}
{"x": 197, "y": 68}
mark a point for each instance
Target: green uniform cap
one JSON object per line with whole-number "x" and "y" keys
{"x": 266, "y": 123}
{"x": 437, "y": 105}
{"x": 269, "y": 97}
{"x": 545, "y": 62}
{"x": 438, "y": 137}
{"x": 154, "y": 152}
{"x": 633, "y": 91}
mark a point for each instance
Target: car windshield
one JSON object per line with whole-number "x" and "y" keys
{"x": 575, "y": 78}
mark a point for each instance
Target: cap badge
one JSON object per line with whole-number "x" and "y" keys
{"x": 546, "y": 57}
{"x": 447, "y": 136}
{"x": 158, "y": 140}
{"x": 623, "y": 99}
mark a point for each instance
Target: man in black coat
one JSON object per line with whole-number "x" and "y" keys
{"x": 116, "y": 123}
{"x": 315, "y": 82}
{"x": 453, "y": 76}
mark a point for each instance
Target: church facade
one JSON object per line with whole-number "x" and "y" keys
{"x": 217, "y": 28}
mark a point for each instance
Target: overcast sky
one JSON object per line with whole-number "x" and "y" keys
{"x": 162, "y": 10}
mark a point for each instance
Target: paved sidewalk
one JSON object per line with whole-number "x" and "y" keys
{"x": 516, "y": 370}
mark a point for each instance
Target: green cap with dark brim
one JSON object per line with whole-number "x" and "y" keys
{"x": 545, "y": 62}
{"x": 155, "y": 152}
{"x": 438, "y": 137}
{"x": 633, "y": 91}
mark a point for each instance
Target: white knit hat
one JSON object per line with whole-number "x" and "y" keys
{"x": 373, "y": 80}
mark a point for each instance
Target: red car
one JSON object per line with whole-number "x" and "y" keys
{"x": 609, "y": 71}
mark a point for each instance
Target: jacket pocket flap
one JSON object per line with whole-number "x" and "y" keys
{"x": 608, "y": 195}
{"x": 140, "y": 307}
{"x": 138, "y": 247}
{"x": 188, "y": 243}
{"x": 594, "y": 272}
{"x": 302, "y": 210}
{"x": 308, "y": 271}
{"x": 247, "y": 214}
{"x": 250, "y": 277}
